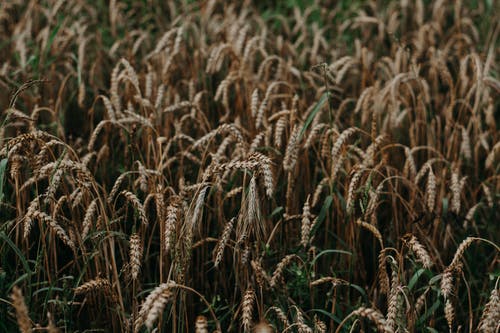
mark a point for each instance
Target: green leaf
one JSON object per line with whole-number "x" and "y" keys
{"x": 327, "y": 314}
{"x": 429, "y": 312}
{"x": 18, "y": 252}
{"x": 3, "y": 167}
{"x": 445, "y": 206}
{"x": 319, "y": 105}
{"x": 415, "y": 278}
{"x": 277, "y": 211}
{"x": 322, "y": 213}
{"x": 51, "y": 38}
{"x": 330, "y": 251}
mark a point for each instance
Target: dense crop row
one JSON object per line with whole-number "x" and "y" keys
{"x": 307, "y": 166}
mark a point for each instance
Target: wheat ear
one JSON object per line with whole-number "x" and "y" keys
{"x": 247, "y": 309}
{"x": 22, "y": 315}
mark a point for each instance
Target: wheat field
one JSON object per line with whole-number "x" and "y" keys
{"x": 247, "y": 166}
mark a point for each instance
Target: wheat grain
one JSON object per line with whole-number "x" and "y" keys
{"x": 430, "y": 190}
{"x": 455, "y": 192}
{"x": 281, "y": 315}
{"x": 420, "y": 251}
{"x": 157, "y": 308}
{"x": 132, "y": 198}
{"x": 343, "y": 137}
{"x": 254, "y": 102}
{"x": 260, "y": 274}
{"x": 247, "y": 309}
{"x": 292, "y": 150}
{"x": 487, "y": 193}
{"x": 447, "y": 282}
{"x": 490, "y": 318}
{"x": 465, "y": 147}
{"x": 22, "y": 313}
{"x": 54, "y": 226}
{"x": 224, "y": 239}
{"x": 375, "y": 316}
{"x": 299, "y": 322}
{"x": 456, "y": 261}
{"x": 373, "y": 229}
{"x": 279, "y": 129}
{"x": 170, "y": 225}
{"x": 99, "y": 284}
{"x": 87, "y": 220}
{"x": 135, "y": 255}
{"x": 421, "y": 301}
{"x": 154, "y": 304}
{"x": 382, "y": 272}
{"x": 30, "y": 214}
{"x": 328, "y": 279}
{"x": 234, "y": 192}
{"x": 410, "y": 164}
{"x": 306, "y": 224}
{"x": 278, "y": 272}
{"x": 449, "y": 313}
{"x": 257, "y": 141}
{"x": 394, "y": 303}
{"x": 351, "y": 191}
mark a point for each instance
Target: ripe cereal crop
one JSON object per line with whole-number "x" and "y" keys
{"x": 249, "y": 166}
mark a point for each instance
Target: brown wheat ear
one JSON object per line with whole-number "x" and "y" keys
{"x": 23, "y": 319}
{"x": 247, "y": 309}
